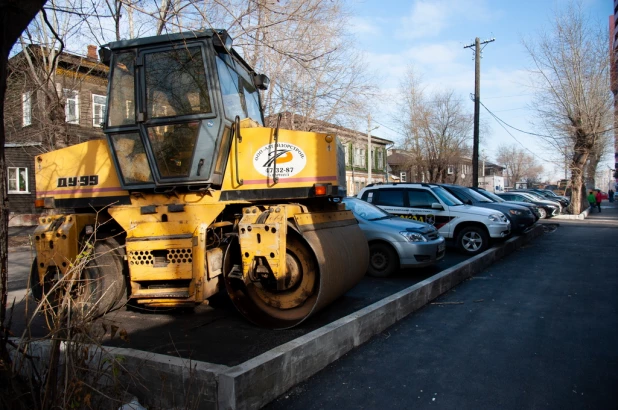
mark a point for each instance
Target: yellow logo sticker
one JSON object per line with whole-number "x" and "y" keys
{"x": 287, "y": 161}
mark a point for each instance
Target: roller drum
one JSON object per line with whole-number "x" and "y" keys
{"x": 331, "y": 259}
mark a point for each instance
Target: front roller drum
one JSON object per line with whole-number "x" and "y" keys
{"x": 322, "y": 265}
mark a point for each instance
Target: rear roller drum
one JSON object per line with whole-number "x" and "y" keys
{"x": 102, "y": 286}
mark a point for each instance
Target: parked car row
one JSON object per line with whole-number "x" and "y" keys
{"x": 546, "y": 207}
{"x": 406, "y": 224}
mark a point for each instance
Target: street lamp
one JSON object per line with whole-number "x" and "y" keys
{"x": 369, "y": 129}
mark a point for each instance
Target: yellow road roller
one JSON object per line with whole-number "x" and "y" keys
{"x": 190, "y": 194}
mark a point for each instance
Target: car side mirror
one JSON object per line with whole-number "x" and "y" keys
{"x": 436, "y": 205}
{"x": 468, "y": 202}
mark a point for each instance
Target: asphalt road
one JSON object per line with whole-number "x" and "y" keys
{"x": 537, "y": 330}
{"x": 216, "y": 333}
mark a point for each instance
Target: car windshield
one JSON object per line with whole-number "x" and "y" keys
{"x": 491, "y": 196}
{"x": 529, "y": 196}
{"x": 446, "y": 196}
{"x": 542, "y": 193}
{"x": 535, "y": 195}
{"x": 365, "y": 210}
{"x": 477, "y": 197}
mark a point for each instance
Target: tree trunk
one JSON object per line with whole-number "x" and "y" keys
{"x": 4, "y": 218}
{"x": 14, "y": 18}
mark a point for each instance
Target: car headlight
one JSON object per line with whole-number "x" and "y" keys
{"x": 497, "y": 218}
{"x": 514, "y": 212}
{"x": 413, "y": 236}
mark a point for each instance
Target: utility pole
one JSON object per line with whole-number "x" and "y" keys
{"x": 369, "y": 156}
{"x": 477, "y": 101}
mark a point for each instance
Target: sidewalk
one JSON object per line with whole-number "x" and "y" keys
{"x": 535, "y": 330}
{"x": 609, "y": 212}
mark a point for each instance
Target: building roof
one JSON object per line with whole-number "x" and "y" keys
{"x": 67, "y": 62}
{"x": 399, "y": 157}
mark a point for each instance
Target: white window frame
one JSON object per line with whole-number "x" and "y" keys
{"x": 403, "y": 177}
{"x": 380, "y": 159}
{"x": 26, "y": 106}
{"x": 450, "y": 170}
{"x": 71, "y": 96}
{"x": 346, "y": 147}
{"x": 16, "y": 180}
{"x": 101, "y": 107}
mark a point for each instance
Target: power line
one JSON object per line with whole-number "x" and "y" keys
{"x": 502, "y": 123}
{"x": 539, "y": 135}
{"x": 388, "y": 128}
{"x": 507, "y": 96}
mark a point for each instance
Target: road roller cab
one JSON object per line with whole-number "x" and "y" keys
{"x": 190, "y": 194}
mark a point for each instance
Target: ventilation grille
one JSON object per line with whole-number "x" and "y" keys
{"x": 161, "y": 257}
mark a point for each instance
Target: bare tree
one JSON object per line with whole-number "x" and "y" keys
{"x": 436, "y": 128}
{"x": 571, "y": 77}
{"x": 520, "y": 166}
{"x": 14, "y": 17}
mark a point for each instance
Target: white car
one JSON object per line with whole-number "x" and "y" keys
{"x": 470, "y": 226}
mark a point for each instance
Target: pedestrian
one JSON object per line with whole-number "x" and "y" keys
{"x": 599, "y": 198}
{"x": 610, "y": 195}
{"x": 592, "y": 199}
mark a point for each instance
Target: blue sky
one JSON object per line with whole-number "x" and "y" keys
{"x": 431, "y": 35}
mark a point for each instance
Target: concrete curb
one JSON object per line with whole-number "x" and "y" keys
{"x": 258, "y": 381}
{"x": 582, "y": 215}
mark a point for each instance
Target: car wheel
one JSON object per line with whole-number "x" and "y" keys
{"x": 472, "y": 240}
{"x": 383, "y": 260}
{"x": 542, "y": 213}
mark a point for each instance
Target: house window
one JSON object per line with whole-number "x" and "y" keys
{"x": 17, "y": 180}
{"x": 362, "y": 158}
{"x": 99, "y": 104}
{"x": 380, "y": 159}
{"x": 71, "y": 108}
{"x": 26, "y": 105}
{"x": 449, "y": 170}
{"x": 402, "y": 177}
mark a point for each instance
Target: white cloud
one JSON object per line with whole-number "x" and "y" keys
{"x": 364, "y": 26}
{"x": 428, "y": 18}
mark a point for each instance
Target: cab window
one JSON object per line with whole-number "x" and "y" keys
{"x": 176, "y": 83}
{"x": 421, "y": 198}
{"x": 390, "y": 197}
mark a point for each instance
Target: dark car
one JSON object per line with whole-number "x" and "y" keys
{"x": 496, "y": 198}
{"x": 542, "y": 194}
{"x": 546, "y": 208}
{"x": 521, "y": 217}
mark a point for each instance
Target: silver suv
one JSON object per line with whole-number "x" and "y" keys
{"x": 470, "y": 226}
